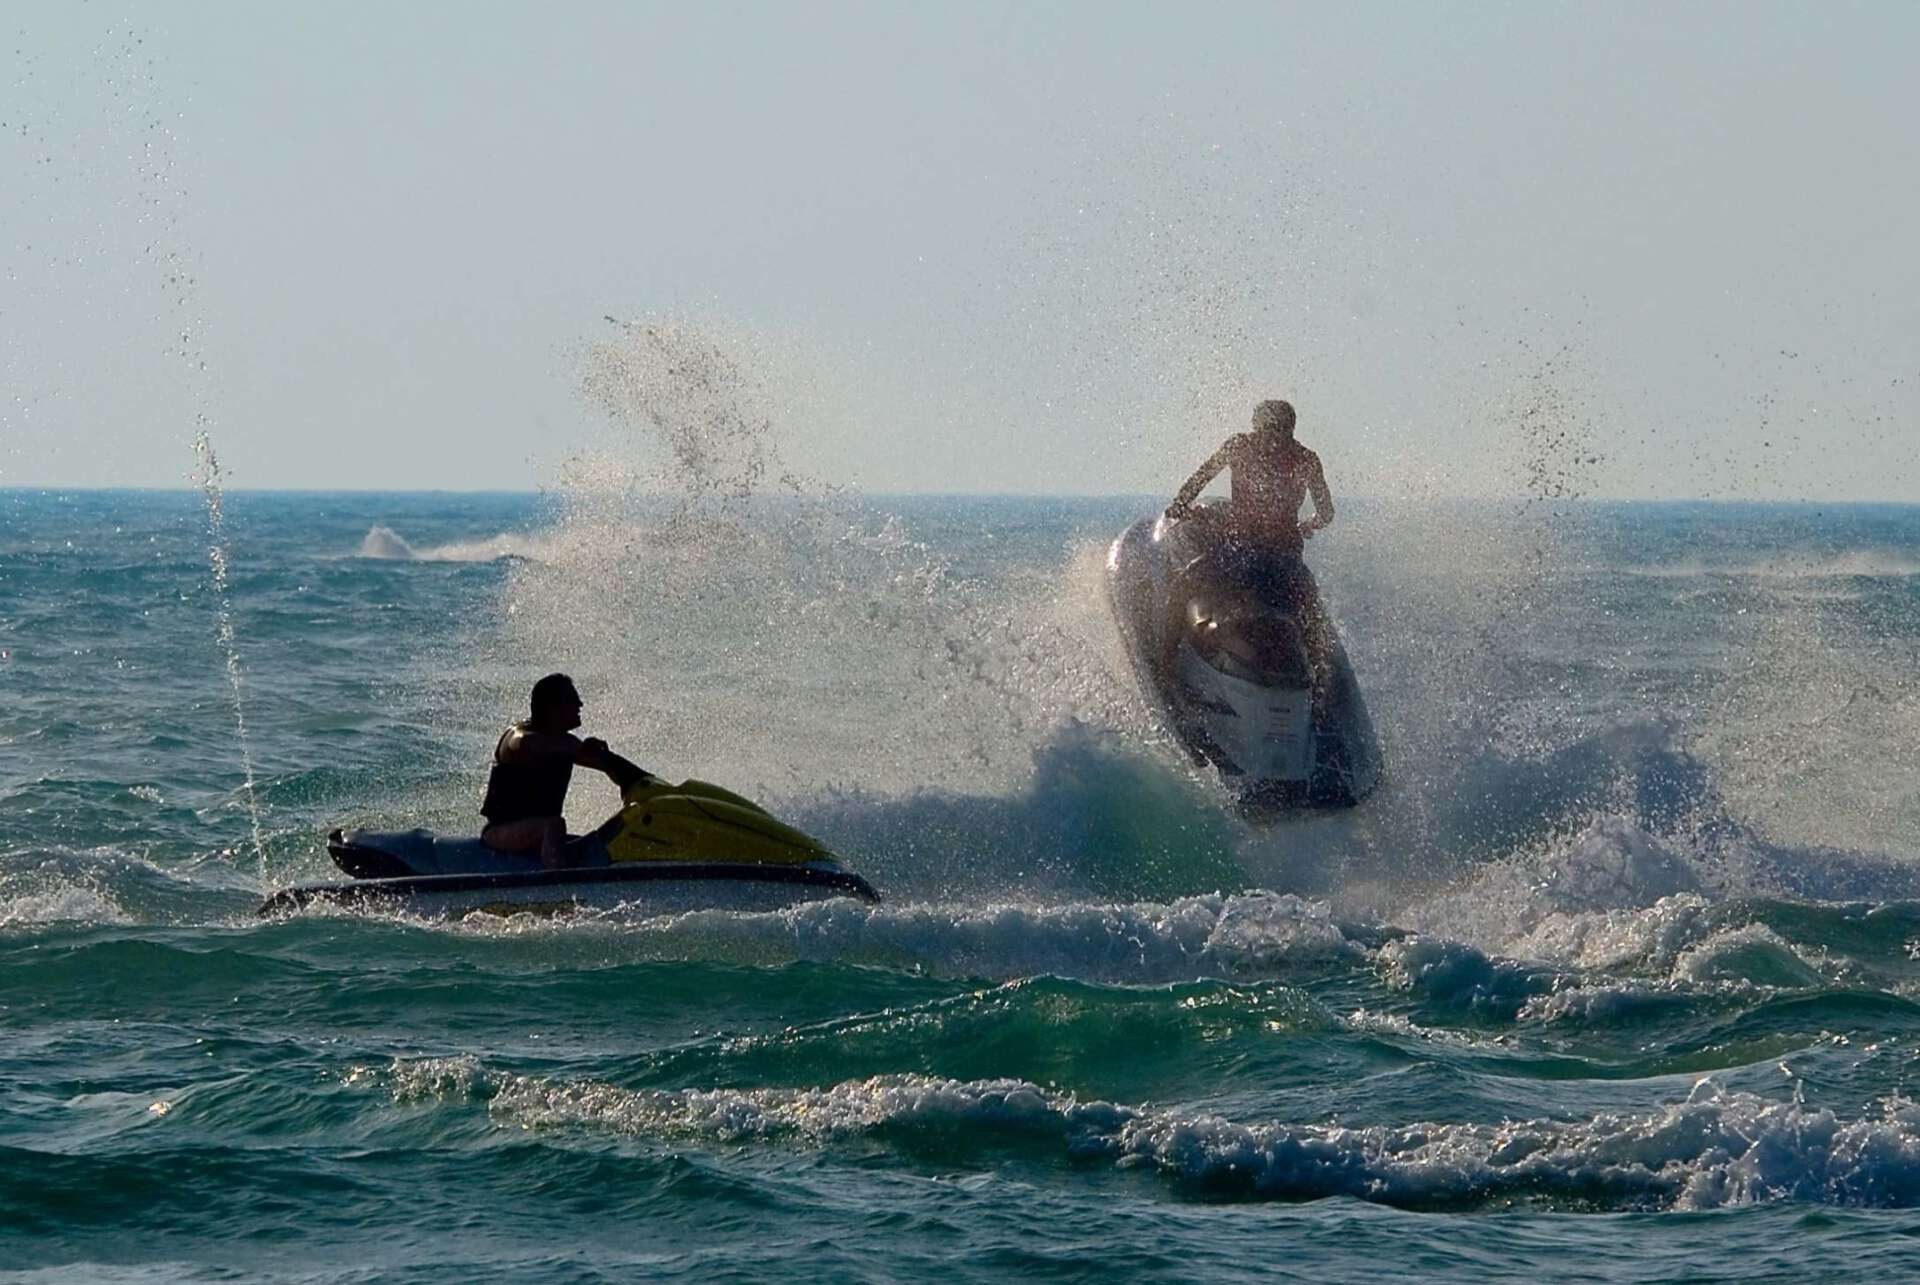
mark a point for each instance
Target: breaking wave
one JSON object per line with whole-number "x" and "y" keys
{"x": 1873, "y": 564}
{"x": 1713, "y": 1149}
{"x": 383, "y": 543}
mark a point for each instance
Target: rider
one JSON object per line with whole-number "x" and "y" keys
{"x": 1272, "y": 475}
{"x": 1263, "y": 536}
{"x": 532, "y": 767}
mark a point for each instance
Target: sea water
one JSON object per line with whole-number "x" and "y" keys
{"x": 1617, "y": 977}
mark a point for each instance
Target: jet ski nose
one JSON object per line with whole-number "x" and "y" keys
{"x": 1249, "y": 643}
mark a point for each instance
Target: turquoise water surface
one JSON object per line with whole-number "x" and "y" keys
{"x": 1615, "y": 979}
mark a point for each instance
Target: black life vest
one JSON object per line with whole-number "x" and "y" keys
{"x": 534, "y": 788}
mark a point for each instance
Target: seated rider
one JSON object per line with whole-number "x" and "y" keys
{"x": 1272, "y": 475}
{"x": 532, "y": 767}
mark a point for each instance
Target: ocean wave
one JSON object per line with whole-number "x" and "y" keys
{"x": 1753, "y": 954}
{"x": 1863, "y": 563}
{"x": 383, "y": 543}
{"x": 53, "y": 901}
{"x": 1098, "y": 818}
{"x": 1256, "y": 934}
{"x": 1734, "y": 966}
{"x": 1553, "y": 901}
{"x": 1646, "y": 938}
{"x": 64, "y": 886}
{"x": 1623, "y": 1003}
{"x": 1457, "y": 976}
{"x": 1685, "y": 941}
{"x": 1714, "y": 1149}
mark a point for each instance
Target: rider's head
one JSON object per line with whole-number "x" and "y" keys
{"x": 555, "y": 700}
{"x": 1275, "y": 416}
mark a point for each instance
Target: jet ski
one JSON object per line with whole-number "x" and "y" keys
{"x": 670, "y": 848}
{"x": 1240, "y": 653}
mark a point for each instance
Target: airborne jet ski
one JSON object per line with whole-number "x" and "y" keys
{"x": 1239, "y": 652}
{"x": 670, "y": 848}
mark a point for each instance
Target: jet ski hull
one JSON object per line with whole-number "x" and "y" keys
{"x": 1245, "y": 664}
{"x": 714, "y": 850}
{"x": 649, "y": 888}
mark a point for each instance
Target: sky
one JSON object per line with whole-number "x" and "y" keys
{"x": 1612, "y": 250}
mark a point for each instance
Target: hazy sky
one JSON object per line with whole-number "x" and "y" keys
{"x": 1621, "y": 249}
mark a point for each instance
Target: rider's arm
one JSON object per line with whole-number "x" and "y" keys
{"x": 1198, "y": 482}
{"x": 1322, "y": 497}
{"x": 623, "y": 772}
{"x": 523, "y": 743}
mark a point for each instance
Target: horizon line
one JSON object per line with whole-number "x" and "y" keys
{"x": 1482, "y": 498}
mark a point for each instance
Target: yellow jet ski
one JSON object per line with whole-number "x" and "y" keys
{"x": 670, "y": 848}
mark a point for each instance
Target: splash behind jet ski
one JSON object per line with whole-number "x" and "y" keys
{"x": 670, "y": 848}
{"x": 1239, "y": 652}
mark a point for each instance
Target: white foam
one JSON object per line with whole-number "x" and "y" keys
{"x": 1716, "y": 1148}
{"x": 1680, "y": 946}
{"x": 1752, "y": 953}
{"x": 1518, "y": 906}
{"x": 1363, "y": 1019}
{"x": 1256, "y": 934}
{"x": 383, "y": 543}
{"x": 1600, "y": 1004}
{"x": 1253, "y": 934}
{"x": 56, "y": 885}
{"x": 1649, "y": 938}
{"x": 58, "y": 901}
{"x": 434, "y": 1077}
{"x": 1865, "y": 563}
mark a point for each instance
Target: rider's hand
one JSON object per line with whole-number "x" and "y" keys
{"x": 1179, "y": 510}
{"x": 1307, "y": 529}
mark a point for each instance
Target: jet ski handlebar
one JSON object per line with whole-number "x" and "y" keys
{"x": 1180, "y": 511}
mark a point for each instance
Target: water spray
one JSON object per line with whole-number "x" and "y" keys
{"x": 206, "y": 474}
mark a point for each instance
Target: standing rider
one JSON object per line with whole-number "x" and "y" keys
{"x": 1272, "y": 476}
{"x": 532, "y": 767}
{"x": 1263, "y": 536}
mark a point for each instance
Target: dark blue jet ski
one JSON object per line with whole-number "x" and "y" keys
{"x": 1237, "y": 650}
